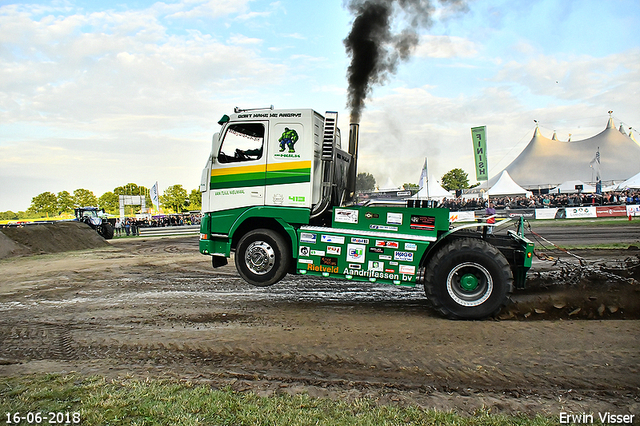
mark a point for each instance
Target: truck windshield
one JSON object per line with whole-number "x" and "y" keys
{"x": 242, "y": 142}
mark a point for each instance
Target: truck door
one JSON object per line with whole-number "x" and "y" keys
{"x": 239, "y": 171}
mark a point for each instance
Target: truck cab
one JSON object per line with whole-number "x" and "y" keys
{"x": 268, "y": 158}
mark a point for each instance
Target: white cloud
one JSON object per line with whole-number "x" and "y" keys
{"x": 439, "y": 46}
{"x": 115, "y": 89}
{"x": 210, "y": 9}
{"x": 400, "y": 129}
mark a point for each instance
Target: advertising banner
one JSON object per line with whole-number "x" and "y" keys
{"x": 611, "y": 211}
{"x": 479, "y": 136}
{"x": 549, "y": 213}
{"x": 468, "y": 216}
{"x": 580, "y": 212}
{"x": 633, "y": 210}
{"x": 525, "y": 213}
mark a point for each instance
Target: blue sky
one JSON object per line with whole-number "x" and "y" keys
{"x": 95, "y": 95}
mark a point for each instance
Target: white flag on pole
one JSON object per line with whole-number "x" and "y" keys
{"x": 154, "y": 196}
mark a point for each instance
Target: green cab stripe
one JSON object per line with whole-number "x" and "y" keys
{"x": 261, "y": 178}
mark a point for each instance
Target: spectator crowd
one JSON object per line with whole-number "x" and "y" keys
{"x": 131, "y": 225}
{"x": 628, "y": 197}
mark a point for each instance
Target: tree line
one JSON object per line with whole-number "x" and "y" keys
{"x": 175, "y": 199}
{"x": 454, "y": 179}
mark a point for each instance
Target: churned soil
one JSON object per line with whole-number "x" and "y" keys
{"x": 48, "y": 238}
{"x": 154, "y": 307}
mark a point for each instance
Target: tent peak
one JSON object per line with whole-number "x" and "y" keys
{"x": 610, "y": 124}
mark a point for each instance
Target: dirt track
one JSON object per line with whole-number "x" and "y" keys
{"x": 155, "y": 307}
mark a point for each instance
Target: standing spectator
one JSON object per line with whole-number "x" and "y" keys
{"x": 490, "y": 212}
{"x": 118, "y": 227}
{"x": 127, "y": 227}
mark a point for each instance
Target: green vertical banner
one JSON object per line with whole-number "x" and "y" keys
{"x": 479, "y": 136}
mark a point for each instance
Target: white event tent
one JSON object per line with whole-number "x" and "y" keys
{"x": 632, "y": 182}
{"x": 431, "y": 189}
{"x": 506, "y": 186}
{"x": 569, "y": 187}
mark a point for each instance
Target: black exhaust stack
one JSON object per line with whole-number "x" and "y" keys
{"x": 354, "y": 136}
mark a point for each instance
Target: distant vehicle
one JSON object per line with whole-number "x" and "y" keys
{"x": 95, "y": 218}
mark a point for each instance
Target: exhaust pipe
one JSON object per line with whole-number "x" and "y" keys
{"x": 354, "y": 136}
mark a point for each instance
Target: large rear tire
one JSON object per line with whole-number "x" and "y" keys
{"x": 262, "y": 257}
{"x": 468, "y": 279}
{"x": 106, "y": 231}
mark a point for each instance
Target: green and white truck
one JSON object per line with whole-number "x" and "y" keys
{"x": 279, "y": 191}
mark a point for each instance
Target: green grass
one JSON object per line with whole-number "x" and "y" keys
{"x": 156, "y": 402}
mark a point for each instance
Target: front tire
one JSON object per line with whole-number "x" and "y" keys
{"x": 262, "y": 257}
{"x": 468, "y": 279}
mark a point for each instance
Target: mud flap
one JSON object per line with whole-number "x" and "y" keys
{"x": 218, "y": 261}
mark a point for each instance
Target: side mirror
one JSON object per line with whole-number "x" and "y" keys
{"x": 215, "y": 145}
{"x": 206, "y": 176}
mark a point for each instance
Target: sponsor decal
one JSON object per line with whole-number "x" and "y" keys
{"x": 389, "y": 270}
{"x": 278, "y": 199}
{"x": 390, "y": 244}
{"x": 288, "y": 140}
{"x": 346, "y": 216}
{"x": 334, "y": 250}
{"x": 317, "y": 253}
{"x": 407, "y": 269}
{"x": 376, "y": 250}
{"x": 329, "y": 261}
{"x": 370, "y": 215}
{"x": 384, "y": 257}
{"x": 231, "y": 192}
{"x": 304, "y": 251}
{"x": 286, "y": 155}
{"x": 360, "y": 240}
{"x": 394, "y": 218}
{"x": 296, "y": 199}
{"x": 403, "y": 256}
{"x": 393, "y": 263}
{"x": 375, "y": 265}
{"x": 306, "y": 237}
{"x": 355, "y": 266}
{"x": 305, "y": 261}
{"x": 424, "y": 223}
{"x": 410, "y": 246}
{"x": 372, "y": 274}
{"x": 383, "y": 227}
{"x": 332, "y": 239}
{"x": 355, "y": 253}
{"x": 320, "y": 268}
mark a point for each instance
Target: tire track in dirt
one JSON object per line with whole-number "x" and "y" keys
{"x": 69, "y": 342}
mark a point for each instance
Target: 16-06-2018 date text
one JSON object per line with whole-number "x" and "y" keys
{"x": 35, "y": 418}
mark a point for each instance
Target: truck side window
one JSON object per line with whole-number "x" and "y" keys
{"x": 242, "y": 142}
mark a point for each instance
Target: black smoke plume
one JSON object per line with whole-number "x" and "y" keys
{"x": 375, "y": 50}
